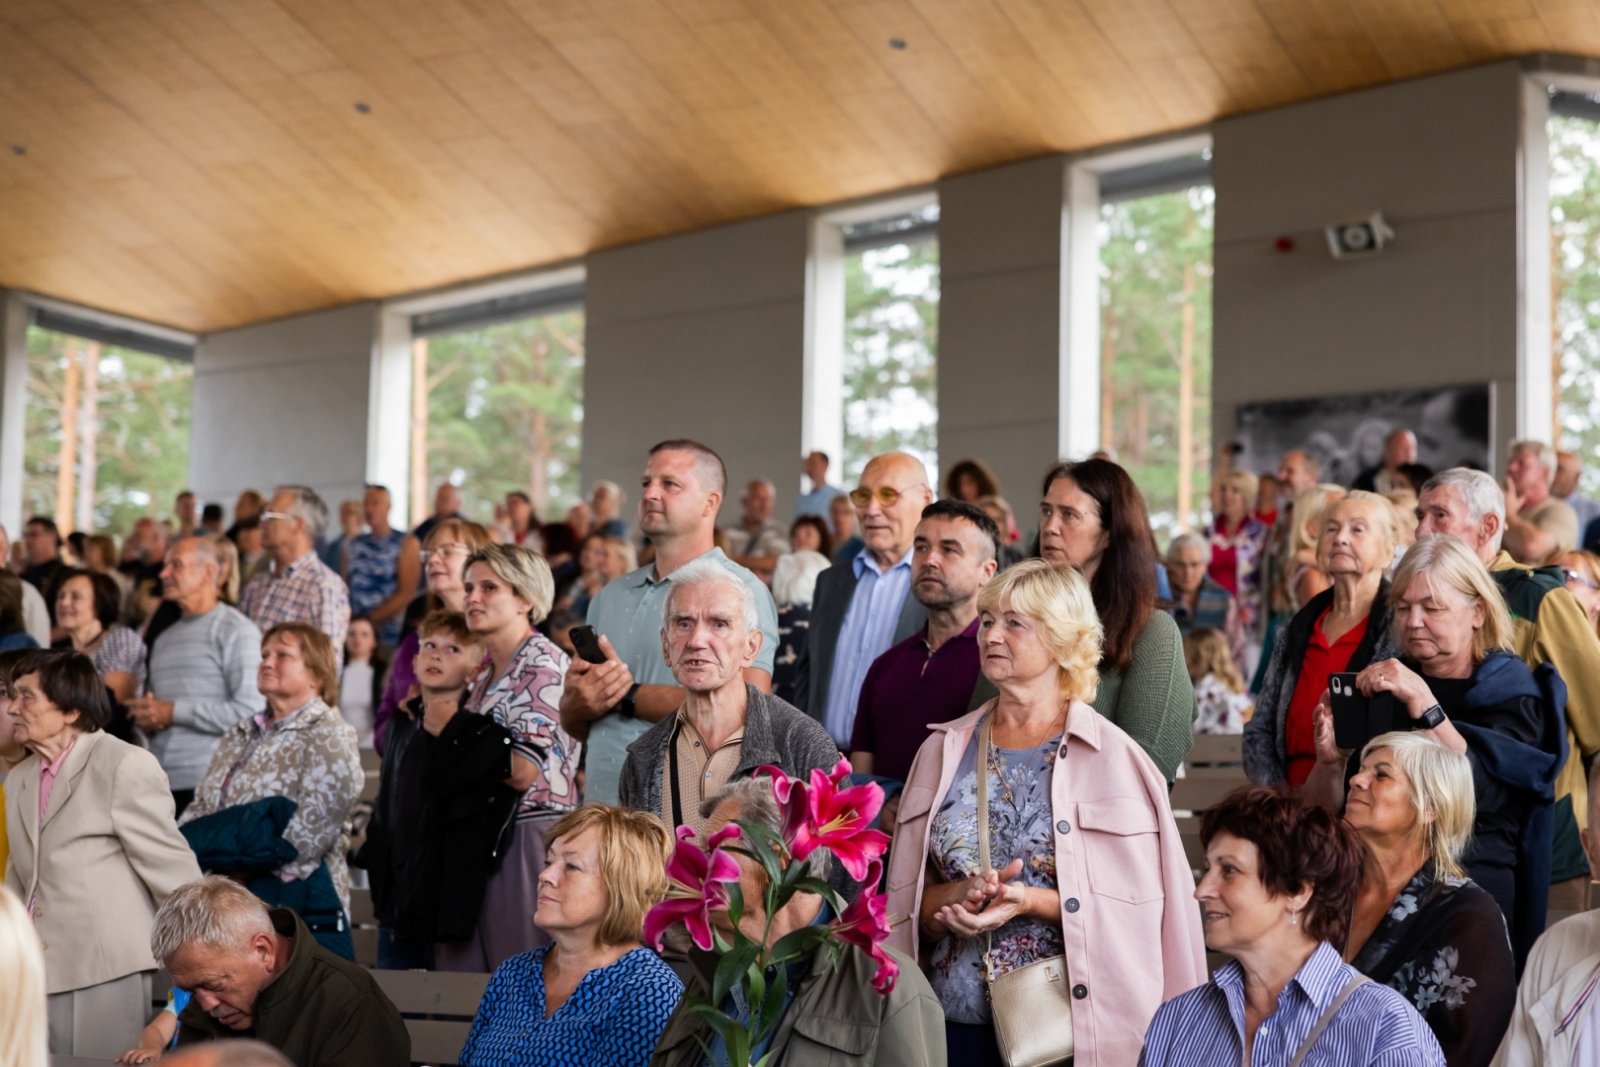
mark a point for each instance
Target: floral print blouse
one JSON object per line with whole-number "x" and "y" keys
{"x": 309, "y": 757}
{"x": 1444, "y": 947}
{"x": 527, "y": 702}
{"x": 1020, "y": 827}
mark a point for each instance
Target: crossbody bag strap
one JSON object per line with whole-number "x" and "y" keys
{"x": 672, "y": 772}
{"x": 1356, "y": 982}
{"x": 983, "y": 824}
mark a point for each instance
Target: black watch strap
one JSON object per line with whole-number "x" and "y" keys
{"x": 1431, "y": 718}
{"x": 625, "y": 706}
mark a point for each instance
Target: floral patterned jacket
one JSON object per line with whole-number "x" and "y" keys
{"x": 527, "y": 701}
{"x": 311, "y": 758}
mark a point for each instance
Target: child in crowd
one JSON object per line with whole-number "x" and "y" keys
{"x": 1218, "y": 688}
{"x": 448, "y": 656}
{"x": 361, "y": 684}
{"x": 159, "y": 1036}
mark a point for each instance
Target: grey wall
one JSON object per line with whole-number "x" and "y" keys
{"x": 1001, "y": 321}
{"x": 284, "y": 401}
{"x": 1439, "y": 156}
{"x": 702, "y": 336}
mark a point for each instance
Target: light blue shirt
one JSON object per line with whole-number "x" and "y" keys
{"x": 867, "y": 633}
{"x": 816, "y": 502}
{"x": 628, "y": 612}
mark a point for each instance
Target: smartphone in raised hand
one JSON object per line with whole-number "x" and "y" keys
{"x": 587, "y": 644}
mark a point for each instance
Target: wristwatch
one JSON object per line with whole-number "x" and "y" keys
{"x": 626, "y": 709}
{"x": 1430, "y": 718}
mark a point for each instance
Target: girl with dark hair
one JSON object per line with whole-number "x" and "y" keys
{"x": 13, "y": 632}
{"x": 969, "y": 481}
{"x": 1093, "y": 519}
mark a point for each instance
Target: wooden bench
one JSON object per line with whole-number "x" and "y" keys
{"x": 438, "y": 1007}
{"x": 363, "y": 927}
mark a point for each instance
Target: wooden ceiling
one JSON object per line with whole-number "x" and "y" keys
{"x": 208, "y": 163}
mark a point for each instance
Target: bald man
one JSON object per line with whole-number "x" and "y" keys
{"x": 1399, "y": 449}
{"x": 864, "y": 605}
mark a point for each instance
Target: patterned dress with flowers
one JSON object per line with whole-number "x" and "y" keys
{"x": 526, "y": 701}
{"x": 1020, "y": 826}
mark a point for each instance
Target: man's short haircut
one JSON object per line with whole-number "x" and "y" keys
{"x": 1313, "y": 464}
{"x": 103, "y": 591}
{"x": 384, "y": 489}
{"x": 824, "y": 455}
{"x": 710, "y": 572}
{"x": 1188, "y": 539}
{"x": 211, "y": 513}
{"x": 235, "y": 1052}
{"x": 518, "y": 494}
{"x": 1479, "y": 491}
{"x": 204, "y": 549}
{"x": 452, "y": 623}
{"x": 69, "y": 680}
{"x": 758, "y": 805}
{"x": 316, "y": 648}
{"x": 1546, "y": 454}
{"x": 524, "y": 570}
{"x": 634, "y": 846}
{"x": 47, "y": 523}
{"x": 707, "y": 464}
{"x": 971, "y": 513}
{"x": 185, "y": 493}
{"x": 306, "y": 505}
{"x": 216, "y": 912}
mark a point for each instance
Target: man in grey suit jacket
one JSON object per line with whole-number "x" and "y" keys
{"x": 863, "y": 606}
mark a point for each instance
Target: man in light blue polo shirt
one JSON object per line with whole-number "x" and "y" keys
{"x": 609, "y": 705}
{"x": 816, "y": 502}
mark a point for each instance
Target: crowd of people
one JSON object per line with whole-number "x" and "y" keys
{"x": 1412, "y": 662}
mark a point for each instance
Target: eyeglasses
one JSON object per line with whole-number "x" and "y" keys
{"x": 284, "y": 515}
{"x": 1586, "y": 582}
{"x": 861, "y": 496}
{"x": 446, "y": 552}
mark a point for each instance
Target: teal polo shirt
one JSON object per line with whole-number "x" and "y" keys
{"x": 628, "y": 612}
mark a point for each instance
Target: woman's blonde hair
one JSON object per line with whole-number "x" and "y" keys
{"x": 1383, "y": 515}
{"x": 1205, "y": 651}
{"x": 1447, "y": 560}
{"x": 1248, "y": 485}
{"x": 1057, "y": 599}
{"x": 624, "y": 547}
{"x": 524, "y": 570}
{"x": 1308, "y": 509}
{"x": 24, "y": 1029}
{"x": 633, "y": 852}
{"x": 1440, "y": 783}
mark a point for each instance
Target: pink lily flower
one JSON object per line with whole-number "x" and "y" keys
{"x": 837, "y": 819}
{"x": 790, "y": 794}
{"x": 865, "y": 924}
{"x": 698, "y": 876}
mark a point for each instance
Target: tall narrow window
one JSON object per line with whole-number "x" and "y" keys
{"x": 890, "y": 396}
{"x": 108, "y": 433}
{"x": 1155, "y": 358}
{"x": 1575, "y": 286}
{"x": 499, "y": 409}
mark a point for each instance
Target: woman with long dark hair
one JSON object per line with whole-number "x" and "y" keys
{"x": 1093, "y": 519}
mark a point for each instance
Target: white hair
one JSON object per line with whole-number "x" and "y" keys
{"x": 1546, "y": 454}
{"x": 706, "y": 572}
{"x": 24, "y": 1024}
{"x": 1187, "y": 540}
{"x": 307, "y": 506}
{"x": 794, "y": 579}
{"x": 1481, "y": 494}
{"x": 215, "y": 911}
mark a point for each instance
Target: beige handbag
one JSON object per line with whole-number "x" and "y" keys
{"x": 1031, "y": 1006}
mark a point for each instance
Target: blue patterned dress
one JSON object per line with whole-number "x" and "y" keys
{"x": 1020, "y": 826}
{"x": 614, "y": 1017}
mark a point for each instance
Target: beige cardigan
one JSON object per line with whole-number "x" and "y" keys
{"x": 108, "y": 854}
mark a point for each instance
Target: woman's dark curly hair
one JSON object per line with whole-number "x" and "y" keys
{"x": 1300, "y": 844}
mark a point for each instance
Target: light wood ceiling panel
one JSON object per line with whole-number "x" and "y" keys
{"x": 208, "y": 163}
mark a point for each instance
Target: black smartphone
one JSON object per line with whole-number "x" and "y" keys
{"x": 1357, "y": 718}
{"x": 587, "y": 643}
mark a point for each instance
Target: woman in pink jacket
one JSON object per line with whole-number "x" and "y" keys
{"x": 1088, "y": 857}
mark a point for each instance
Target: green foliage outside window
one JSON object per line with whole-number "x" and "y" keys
{"x": 890, "y": 356}
{"x": 1155, "y": 256}
{"x": 505, "y": 412}
{"x": 141, "y": 453}
{"x": 1575, "y": 285}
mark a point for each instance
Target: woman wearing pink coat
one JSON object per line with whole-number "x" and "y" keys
{"x": 1086, "y": 857}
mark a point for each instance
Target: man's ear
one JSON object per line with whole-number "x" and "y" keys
{"x": 756, "y": 638}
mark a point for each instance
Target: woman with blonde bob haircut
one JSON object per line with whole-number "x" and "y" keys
{"x": 1457, "y": 682}
{"x": 1079, "y": 821}
{"x": 24, "y": 1026}
{"x": 606, "y": 868}
{"x": 1419, "y": 925}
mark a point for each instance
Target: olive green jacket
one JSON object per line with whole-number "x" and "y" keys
{"x": 835, "y": 1020}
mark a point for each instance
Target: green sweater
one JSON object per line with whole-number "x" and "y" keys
{"x": 1153, "y": 700}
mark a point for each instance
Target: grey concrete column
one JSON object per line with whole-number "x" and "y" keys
{"x": 1445, "y": 159}
{"x": 1008, "y": 393}
{"x": 320, "y": 399}
{"x": 700, "y": 335}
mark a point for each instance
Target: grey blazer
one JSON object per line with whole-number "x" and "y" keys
{"x": 814, "y": 672}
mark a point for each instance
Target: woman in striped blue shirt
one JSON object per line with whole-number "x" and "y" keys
{"x": 1280, "y": 881}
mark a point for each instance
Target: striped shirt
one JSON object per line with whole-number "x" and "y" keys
{"x": 304, "y": 591}
{"x": 1375, "y": 1028}
{"x": 206, "y": 665}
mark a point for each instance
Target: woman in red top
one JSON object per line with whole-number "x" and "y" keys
{"x": 1341, "y": 629}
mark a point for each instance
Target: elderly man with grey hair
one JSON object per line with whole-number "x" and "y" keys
{"x": 298, "y": 587}
{"x": 1550, "y": 627}
{"x": 257, "y": 971}
{"x": 1538, "y": 525}
{"x": 202, "y": 670}
{"x": 1197, "y": 599}
{"x": 834, "y": 1016}
{"x": 725, "y": 728}
{"x": 759, "y": 539}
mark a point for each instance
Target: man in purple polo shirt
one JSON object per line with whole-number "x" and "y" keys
{"x": 928, "y": 677}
